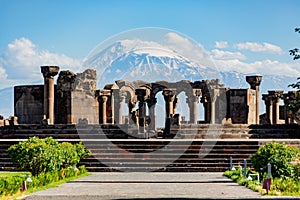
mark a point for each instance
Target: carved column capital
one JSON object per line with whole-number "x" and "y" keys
{"x": 142, "y": 94}
{"x": 169, "y": 94}
{"x": 49, "y": 71}
{"x": 204, "y": 99}
{"x": 275, "y": 95}
{"x": 254, "y": 81}
{"x": 151, "y": 102}
{"x": 267, "y": 99}
{"x": 102, "y": 95}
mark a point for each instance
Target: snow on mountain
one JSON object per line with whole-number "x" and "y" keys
{"x": 149, "y": 61}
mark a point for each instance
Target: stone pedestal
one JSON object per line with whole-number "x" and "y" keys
{"x": 254, "y": 82}
{"x": 48, "y": 73}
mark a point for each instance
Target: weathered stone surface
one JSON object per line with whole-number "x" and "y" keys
{"x": 65, "y": 81}
{"x": 242, "y": 109}
{"x": 86, "y": 81}
{"x": 28, "y": 103}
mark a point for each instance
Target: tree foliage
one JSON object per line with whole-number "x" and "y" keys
{"x": 46, "y": 155}
{"x": 280, "y": 157}
{"x": 295, "y": 106}
{"x": 295, "y": 52}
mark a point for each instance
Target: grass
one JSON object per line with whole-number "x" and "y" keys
{"x": 35, "y": 189}
{"x": 279, "y": 187}
{"x": 7, "y": 174}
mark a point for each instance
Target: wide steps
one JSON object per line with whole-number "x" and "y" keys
{"x": 155, "y": 154}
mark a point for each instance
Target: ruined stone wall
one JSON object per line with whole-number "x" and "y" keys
{"x": 242, "y": 106}
{"x": 76, "y": 97}
{"x": 28, "y": 103}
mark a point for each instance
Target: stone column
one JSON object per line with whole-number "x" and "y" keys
{"x": 269, "y": 107}
{"x": 206, "y": 105}
{"x": 214, "y": 95}
{"x": 103, "y": 96}
{"x": 254, "y": 82}
{"x": 142, "y": 96}
{"x": 117, "y": 106}
{"x": 112, "y": 102}
{"x": 169, "y": 96}
{"x": 103, "y": 100}
{"x": 48, "y": 73}
{"x": 192, "y": 101}
{"x": 276, "y": 95}
{"x": 131, "y": 115}
{"x": 151, "y": 105}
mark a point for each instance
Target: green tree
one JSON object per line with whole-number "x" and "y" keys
{"x": 280, "y": 157}
{"x": 295, "y": 107}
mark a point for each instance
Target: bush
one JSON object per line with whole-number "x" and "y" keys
{"x": 280, "y": 157}
{"x": 46, "y": 155}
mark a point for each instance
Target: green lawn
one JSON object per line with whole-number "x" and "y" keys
{"x": 7, "y": 174}
{"x": 37, "y": 188}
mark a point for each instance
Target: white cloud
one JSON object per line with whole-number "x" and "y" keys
{"x": 21, "y": 60}
{"x": 227, "y": 55}
{"x": 259, "y": 47}
{"x": 265, "y": 67}
{"x": 221, "y": 44}
{"x": 188, "y": 49}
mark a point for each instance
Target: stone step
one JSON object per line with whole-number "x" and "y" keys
{"x": 156, "y": 154}
{"x": 142, "y": 169}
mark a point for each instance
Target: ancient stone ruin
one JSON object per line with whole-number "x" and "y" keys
{"x": 76, "y": 98}
{"x": 74, "y": 109}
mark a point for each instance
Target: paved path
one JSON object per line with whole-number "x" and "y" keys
{"x": 148, "y": 186}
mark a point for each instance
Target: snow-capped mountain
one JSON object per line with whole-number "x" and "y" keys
{"x": 138, "y": 60}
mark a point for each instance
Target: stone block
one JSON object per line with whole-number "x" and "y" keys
{"x": 13, "y": 120}
{"x": 6, "y": 122}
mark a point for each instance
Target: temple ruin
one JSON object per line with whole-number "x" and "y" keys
{"x": 116, "y": 121}
{"x": 75, "y": 98}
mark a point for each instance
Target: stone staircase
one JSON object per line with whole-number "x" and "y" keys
{"x": 141, "y": 155}
{"x": 113, "y": 150}
{"x": 167, "y": 155}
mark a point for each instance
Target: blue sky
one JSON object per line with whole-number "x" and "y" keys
{"x": 239, "y": 34}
